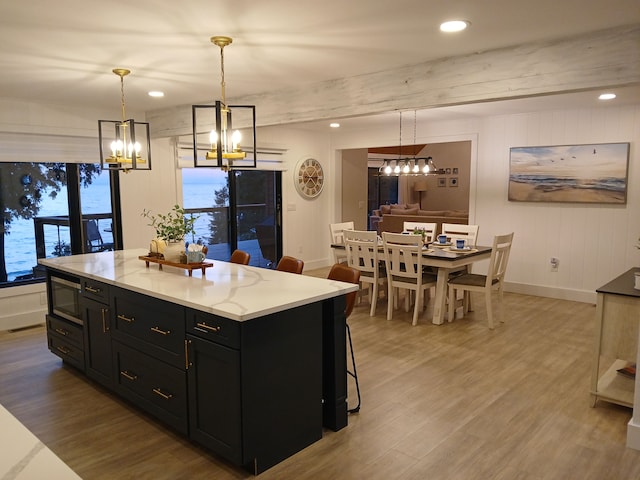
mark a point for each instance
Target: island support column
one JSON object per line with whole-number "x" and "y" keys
{"x": 334, "y": 364}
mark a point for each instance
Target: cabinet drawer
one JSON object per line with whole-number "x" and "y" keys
{"x": 95, "y": 290}
{"x": 214, "y": 328}
{"x": 67, "y": 331}
{"x": 67, "y": 351}
{"x": 156, "y": 387}
{"x": 151, "y": 325}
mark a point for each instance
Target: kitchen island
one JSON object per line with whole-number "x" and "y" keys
{"x": 249, "y": 362}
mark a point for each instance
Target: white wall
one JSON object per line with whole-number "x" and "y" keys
{"x": 594, "y": 243}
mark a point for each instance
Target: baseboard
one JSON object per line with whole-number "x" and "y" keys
{"x": 22, "y": 320}
{"x": 584, "y": 296}
{"x": 633, "y": 435}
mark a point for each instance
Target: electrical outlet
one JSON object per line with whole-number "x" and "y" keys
{"x": 554, "y": 262}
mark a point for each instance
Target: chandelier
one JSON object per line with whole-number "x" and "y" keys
{"x": 213, "y": 126}
{"x": 124, "y": 144}
{"x": 413, "y": 165}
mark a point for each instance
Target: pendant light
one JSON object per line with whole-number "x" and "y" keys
{"x": 124, "y": 144}
{"x": 213, "y": 126}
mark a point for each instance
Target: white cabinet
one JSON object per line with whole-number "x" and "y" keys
{"x": 616, "y": 343}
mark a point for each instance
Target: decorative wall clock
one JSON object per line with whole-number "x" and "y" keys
{"x": 309, "y": 178}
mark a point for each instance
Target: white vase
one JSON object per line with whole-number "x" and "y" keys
{"x": 173, "y": 250}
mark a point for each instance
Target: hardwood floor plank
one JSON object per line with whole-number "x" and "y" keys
{"x": 456, "y": 401}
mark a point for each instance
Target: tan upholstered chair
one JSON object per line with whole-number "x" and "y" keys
{"x": 241, "y": 257}
{"x": 290, "y": 264}
{"x": 493, "y": 280}
{"x": 403, "y": 260}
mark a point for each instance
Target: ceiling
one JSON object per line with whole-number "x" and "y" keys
{"x": 63, "y": 52}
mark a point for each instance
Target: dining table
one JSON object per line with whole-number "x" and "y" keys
{"x": 445, "y": 258}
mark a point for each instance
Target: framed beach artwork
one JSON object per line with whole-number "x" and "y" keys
{"x": 591, "y": 173}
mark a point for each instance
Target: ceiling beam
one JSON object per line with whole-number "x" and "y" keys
{"x": 606, "y": 58}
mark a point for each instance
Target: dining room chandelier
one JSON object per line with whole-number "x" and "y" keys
{"x": 124, "y": 144}
{"x": 213, "y": 126}
{"x": 408, "y": 165}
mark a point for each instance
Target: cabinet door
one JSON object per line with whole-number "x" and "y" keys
{"x": 97, "y": 336}
{"x": 214, "y": 397}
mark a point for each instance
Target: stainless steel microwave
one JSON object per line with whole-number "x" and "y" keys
{"x": 65, "y": 298}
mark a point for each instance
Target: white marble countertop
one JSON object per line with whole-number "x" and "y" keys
{"x": 24, "y": 457}
{"x": 237, "y": 292}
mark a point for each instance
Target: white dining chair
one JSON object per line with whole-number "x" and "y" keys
{"x": 363, "y": 254}
{"x": 493, "y": 280}
{"x": 428, "y": 228}
{"x": 403, "y": 261}
{"x": 455, "y": 231}
{"x": 337, "y": 238}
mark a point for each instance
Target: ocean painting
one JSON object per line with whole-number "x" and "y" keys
{"x": 595, "y": 173}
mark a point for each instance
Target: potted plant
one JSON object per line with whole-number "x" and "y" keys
{"x": 172, "y": 228}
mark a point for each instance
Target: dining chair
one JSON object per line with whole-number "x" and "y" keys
{"x": 337, "y": 238}
{"x": 344, "y": 273}
{"x": 428, "y": 228}
{"x": 455, "y": 231}
{"x": 493, "y": 280}
{"x": 404, "y": 264}
{"x": 241, "y": 257}
{"x": 290, "y": 264}
{"x": 363, "y": 254}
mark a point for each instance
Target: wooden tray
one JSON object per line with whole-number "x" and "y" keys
{"x": 187, "y": 266}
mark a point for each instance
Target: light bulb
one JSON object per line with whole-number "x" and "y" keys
{"x": 235, "y": 140}
{"x": 405, "y": 168}
{"x": 213, "y": 138}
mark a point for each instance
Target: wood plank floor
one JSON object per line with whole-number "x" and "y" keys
{"x": 456, "y": 401}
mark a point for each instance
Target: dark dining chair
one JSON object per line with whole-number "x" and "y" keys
{"x": 344, "y": 273}
{"x": 240, "y": 257}
{"x": 290, "y": 264}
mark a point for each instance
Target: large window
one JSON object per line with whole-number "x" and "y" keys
{"x": 50, "y": 209}
{"x": 382, "y": 189}
{"x": 240, "y": 209}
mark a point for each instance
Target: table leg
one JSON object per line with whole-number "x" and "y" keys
{"x": 439, "y": 306}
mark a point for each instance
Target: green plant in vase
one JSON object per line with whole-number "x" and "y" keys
{"x": 172, "y": 227}
{"x": 420, "y": 231}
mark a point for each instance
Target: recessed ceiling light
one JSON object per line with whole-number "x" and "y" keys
{"x": 156, "y": 94}
{"x": 607, "y": 96}
{"x": 334, "y": 125}
{"x": 454, "y": 26}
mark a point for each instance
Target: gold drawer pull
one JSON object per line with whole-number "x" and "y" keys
{"x": 92, "y": 290}
{"x": 64, "y": 350}
{"x": 127, "y": 319}
{"x": 162, "y": 394}
{"x": 105, "y": 325}
{"x": 160, "y": 331}
{"x": 128, "y": 375}
{"x": 208, "y": 327}
{"x": 62, "y": 332}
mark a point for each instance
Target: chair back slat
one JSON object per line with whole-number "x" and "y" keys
{"x": 428, "y": 228}
{"x": 499, "y": 258}
{"x": 403, "y": 255}
{"x": 362, "y": 250}
{"x": 456, "y": 231}
{"x": 337, "y": 229}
